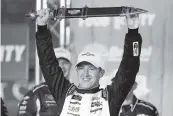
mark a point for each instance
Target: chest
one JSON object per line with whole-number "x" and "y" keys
{"x": 46, "y": 104}
{"x": 85, "y": 105}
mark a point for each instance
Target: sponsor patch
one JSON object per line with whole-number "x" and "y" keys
{"x": 75, "y": 103}
{"x": 95, "y": 98}
{"x": 22, "y": 112}
{"x": 77, "y": 97}
{"x": 49, "y": 97}
{"x": 54, "y": 105}
{"x": 142, "y": 115}
{"x": 26, "y": 97}
{"x": 88, "y": 54}
{"x": 96, "y": 104}
{"x": 135, "y": 49}
{"x": 22, "y": 108}
{"x": 24, "y": 102}
{"x": 50, "y": 102}
{"x": 73, "y": 11}
{"x": 73, "y": 109}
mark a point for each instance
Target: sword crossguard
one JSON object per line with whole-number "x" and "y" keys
{"x": 59, "y": 13}
{"x": 84, "y": 12}
{"x": 32, "y": 14}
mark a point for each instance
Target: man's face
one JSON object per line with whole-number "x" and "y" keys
{"x": 65, "y": 66}
{"x": 88, "y": 75}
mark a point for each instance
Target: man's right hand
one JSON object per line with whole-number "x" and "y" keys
{"x": 44, "y": 15}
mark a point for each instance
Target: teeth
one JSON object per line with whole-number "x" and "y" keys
{"x": 86, "y": 79}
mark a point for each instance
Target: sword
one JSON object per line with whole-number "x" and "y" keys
{"x": 86, "y": 12}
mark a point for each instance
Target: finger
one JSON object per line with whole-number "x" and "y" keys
{"x": 132, "y": 15}
{"x": 41, "y": 13}
{"x": 38, "y": 12}
{"x": 47, "y": 13}
{"x": 127, "y": 11}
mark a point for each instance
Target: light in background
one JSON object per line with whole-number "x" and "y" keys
{"x": 62, "y": 26}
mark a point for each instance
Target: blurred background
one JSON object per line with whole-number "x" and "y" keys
{"x": 19, "y": 63}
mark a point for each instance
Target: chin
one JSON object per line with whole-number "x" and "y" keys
{"x": 85, "y": 87}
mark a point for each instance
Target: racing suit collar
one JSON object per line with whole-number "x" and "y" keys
{"x": 135, "y": 101}
{"x": 132, "y": 105}
{"x": 94, "y": 90}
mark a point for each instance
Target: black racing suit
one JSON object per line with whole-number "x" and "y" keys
{"x": 139, "y": 107}
{"x": 121, "y": 83}
{"x": 38, "y": 102}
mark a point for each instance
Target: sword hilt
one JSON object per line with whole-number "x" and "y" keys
{"x": 54, "y": 14}
{"x": 32, "y": 14}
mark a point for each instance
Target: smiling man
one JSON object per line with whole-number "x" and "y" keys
{"x": 87, "y": 99}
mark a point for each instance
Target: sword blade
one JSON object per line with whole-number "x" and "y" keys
{"x": 100, "y": 12}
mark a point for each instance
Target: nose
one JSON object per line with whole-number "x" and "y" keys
{"x": 86, "y": 73}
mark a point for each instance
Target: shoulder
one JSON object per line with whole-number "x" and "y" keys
{"x": 35, "y": 90}
{"x": 39, "y": 87}
{"x": 34, "y": 94}
{"x": 71, "y": 89}
{"x": 148, "y": 106}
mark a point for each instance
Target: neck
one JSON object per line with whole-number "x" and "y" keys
{"x": 128, "y": 100}
{"x": 90, "y": 90}
{"x": 95, "y": 86}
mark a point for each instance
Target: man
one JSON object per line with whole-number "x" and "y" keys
{"x": 4, "y": 111}
{"x": 39, "y": 101}
{"x": 87, "y": 99}
{"x": 133, "y": 106}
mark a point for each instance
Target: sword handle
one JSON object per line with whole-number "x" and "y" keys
{"x": 55, "y": 14}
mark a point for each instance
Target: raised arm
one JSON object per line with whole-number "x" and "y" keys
{"x": 48, "y": 63}
{"x": 129, "y": 66}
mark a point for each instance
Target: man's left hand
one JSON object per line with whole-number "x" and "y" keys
{"x": 132, "y": 21}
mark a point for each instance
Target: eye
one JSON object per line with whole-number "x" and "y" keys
{"x": 91, "y": 68}
{"x": 65, "y": 63}
{"x": 80, "y": 67}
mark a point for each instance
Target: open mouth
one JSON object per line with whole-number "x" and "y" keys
{"x": 86, "y": 79}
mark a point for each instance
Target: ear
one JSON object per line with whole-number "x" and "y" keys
{"x": 135, "y": 85}
{"x": 102, "y": 72}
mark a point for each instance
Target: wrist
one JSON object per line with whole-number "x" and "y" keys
{"x": 133, "y": 30}
{"x": 41, "y": 24}
{"x": 133, "y": 23}
{"x": 42, "y": 28}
